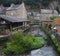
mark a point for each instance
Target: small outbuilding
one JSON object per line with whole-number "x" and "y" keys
{"x": 8, "y": 24}
{"x": 12, "y": 22}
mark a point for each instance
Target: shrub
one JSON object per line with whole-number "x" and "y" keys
{"x": 13, "y": 48}
{"x": 38, "y": 42}
{"x": 57, "y": 45}
{"x": 58, "y": 48}
{"x": 52, "y": 18}
{"x": 20, "y": 43}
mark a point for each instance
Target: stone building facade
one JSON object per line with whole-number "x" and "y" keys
{"x": 45, "y": 14}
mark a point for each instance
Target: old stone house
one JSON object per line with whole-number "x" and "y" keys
{"x": 17, "y": 11}
{"x": 45, "y": 14}
{"x": 15, "y": 17}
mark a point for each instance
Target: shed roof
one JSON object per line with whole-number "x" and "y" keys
{"x": 13, "y": 19}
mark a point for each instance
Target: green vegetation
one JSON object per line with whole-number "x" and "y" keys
{"x": 8, "y": 2}
{"x": 54, "y": 17}
{"x": 57, "y": 45}
{"x": 20, "y": 43}
{"x": 46, "y": 2}
{"x": 31, "y": 3}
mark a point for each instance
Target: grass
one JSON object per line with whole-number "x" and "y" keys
{"x": 55, "y": 43}
{"x": 20, "y": 43}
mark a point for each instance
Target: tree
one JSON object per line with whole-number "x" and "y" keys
{"x": 8, "y": 2}
{"x": 32, "y": 3}
{"x": 45, "y": 2}
{"x": 58, "y": 9}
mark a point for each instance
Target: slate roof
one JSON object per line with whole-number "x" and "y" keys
{"x": 13, "y": 19}
{"x": 13, "y": 7}
{"x": 2, "y": 10}
{"x": 47, "y": 11}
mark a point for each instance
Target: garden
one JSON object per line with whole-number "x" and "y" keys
{"x": 20, "y": 44}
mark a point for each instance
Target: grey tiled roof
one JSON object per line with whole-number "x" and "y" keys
{"x": 13, "y": 19}
{"x": 2, "y": 10}
{"x": 47, "y": 11}
{"x": 17, "y": 6}
{"x": 13, "y": 7}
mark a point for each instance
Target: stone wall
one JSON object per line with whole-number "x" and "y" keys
{"x": 11, "y": 13}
